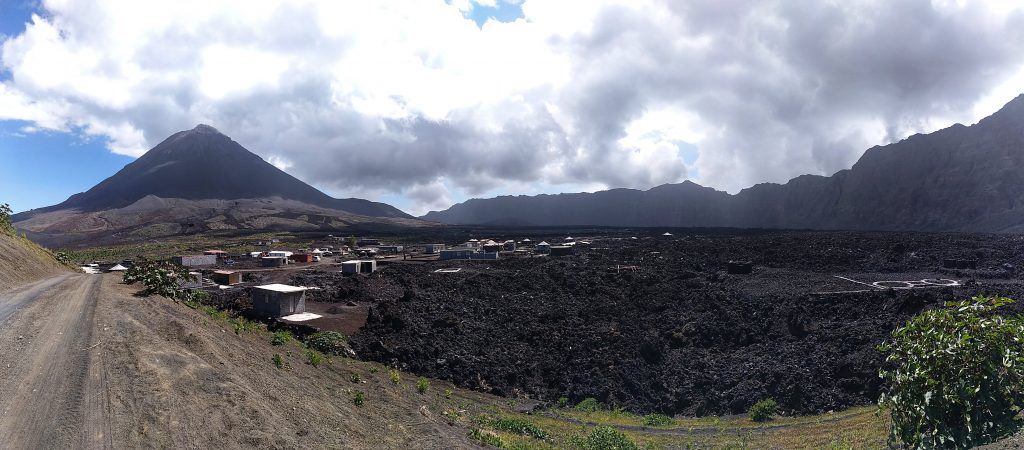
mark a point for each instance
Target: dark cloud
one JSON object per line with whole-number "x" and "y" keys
{"x": 765, "y": 90}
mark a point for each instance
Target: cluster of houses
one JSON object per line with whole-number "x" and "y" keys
{"x": 491, "y": 249}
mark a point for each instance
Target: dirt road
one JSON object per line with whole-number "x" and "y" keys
{"x": 50, "y": 393}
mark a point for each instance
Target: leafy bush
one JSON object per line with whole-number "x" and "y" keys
{"x": 589, "y": 404}
{"x": 5, "y": 220}
{"x": 604, "y": 438}
{"x": 517, "y": 425}
{"x": 329, "y": 342}
{"x": 563, "y": 402}
{"x": 763, "y": 410}
{"x": 62, "y": 257}
{"x": 315, "y": 358}
{"x": 355, "y": 378}
{"x": 448, "y": 393}
{"x": 657, "y": 420}
{"x": 278, "y": 361}
{"x": 955, "y": 375}
{"x": 160, "y": 278}
{"x": 241, "y": 325}
{"x": 395, "y": 376}
{"x": 422, "y": 385}
{"x": 281, "y": 337}
{"x": 359, "y": 398}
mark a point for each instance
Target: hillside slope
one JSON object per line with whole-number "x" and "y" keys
{"x": 957, "y": 179}
{"x": 23, "y": 261}
{"x": 89, "y": 365}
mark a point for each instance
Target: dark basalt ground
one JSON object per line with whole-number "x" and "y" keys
{"x": 677, "y": 334}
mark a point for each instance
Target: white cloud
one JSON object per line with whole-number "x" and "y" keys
{"x": 412, "y": 98}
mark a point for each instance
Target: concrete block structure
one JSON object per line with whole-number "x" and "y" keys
{"x": 359, "y": 266}
{"x": 195, "y": 260}
{"x": 276, "y": 300}
{"x": 272, "y": 261}
{"x": 226, "y": 277}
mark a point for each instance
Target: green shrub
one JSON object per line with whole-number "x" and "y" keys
{"x": 955, "y": 376}
{"x": 5, "y": 220}
{"x": 278, "y": 361}
{"x": 329, "y": 342}
{"x": 359, "y": 398}
{"x": 281, "y": 337}
{"x": 355, "y": 378}
{"x": 422, "y": 385}
{"x": 589, "y": 404}
{"x": 604, "y": 438}
{"x": 563, "y": 402}
{"x": 658, "y": 420}
{"x": 62, "y": 257}
{"x": 395, "y": 376}
{"x": 241, "y": 325}
{"x": 486, "y": 438}
{"x": 763, "y": 410}
{"x": 315, "y": 358}
{"x": 160, "y": 278}
{"x": 516, "y": 425}
{"x": 448, "y": 393}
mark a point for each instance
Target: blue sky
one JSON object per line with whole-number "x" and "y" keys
{"x": 57, "y": 165}
{"x": 42, "y": 169}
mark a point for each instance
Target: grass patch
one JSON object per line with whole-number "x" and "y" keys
{"x": 603, "y": 437}
{"x": 243, "y": 325}
{"x": 281, "y": 337}
{"x": 516, "y": 425}
{"x": 658, "y": 420}
{"x": 589, "y": 404}
{"x": 358, "y": 399}
{"x": 422, "y": 385}
{"x": 278, "y": 361}
{"x": 487, "y": 438}
{"x": 329, "y": 342}
{"x": 395, "y": 376}
{"x": 315, "y": 358}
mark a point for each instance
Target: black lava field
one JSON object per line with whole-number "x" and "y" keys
{"x": 656, "y": 324}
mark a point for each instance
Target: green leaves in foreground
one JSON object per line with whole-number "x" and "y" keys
{"x": 955, "y": 376}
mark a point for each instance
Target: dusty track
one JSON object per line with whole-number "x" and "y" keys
{"x": 49, "y": 398}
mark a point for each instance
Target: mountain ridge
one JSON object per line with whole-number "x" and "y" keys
{"x": 959, "y": 178}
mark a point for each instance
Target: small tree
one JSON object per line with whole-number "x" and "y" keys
{"x": 6, "y": 226}
{"x": 159, "y": 278}
{"x": 763, "y": 410}
{"x": 955, "y": 376}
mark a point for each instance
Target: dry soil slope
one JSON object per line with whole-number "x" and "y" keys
{"x": 175, "y": 377}
{"x": 22, "y": 261}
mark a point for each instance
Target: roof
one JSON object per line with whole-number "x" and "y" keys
{"x": 215, "y": 252}
{"x": 281, "y": 288}
{"x": 117, "y": 268}
{"x": 667, "y": 234}
{"x": 543, "y": 243}
{"x": 223, "y": 272}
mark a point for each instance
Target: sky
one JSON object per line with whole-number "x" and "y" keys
{"x": 424, "y": 103}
